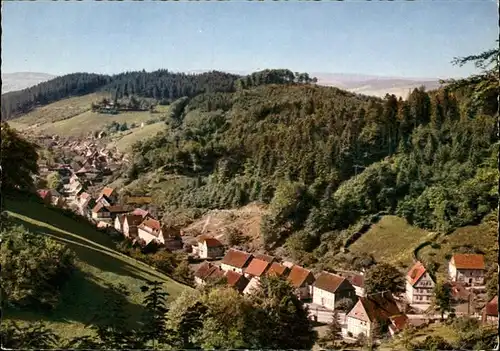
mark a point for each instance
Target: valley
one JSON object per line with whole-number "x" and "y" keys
{"x": 339, "y": 186}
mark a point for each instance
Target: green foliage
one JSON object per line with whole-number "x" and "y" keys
{"x": 54, "y": 181}
{"x": 18, "y": 158}
{"x": 384, "y": 277}
{"x": 442, "y": 298}
{"x": 34, "y": 268}
{"x": 433, "y": 343}
{"x": 31, "y": 337}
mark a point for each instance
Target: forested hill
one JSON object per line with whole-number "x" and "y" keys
{"x": 162, "y": 85}
{"x": 324, "y": 158}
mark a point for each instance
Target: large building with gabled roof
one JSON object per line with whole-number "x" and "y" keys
{"x": 419, "y": 285}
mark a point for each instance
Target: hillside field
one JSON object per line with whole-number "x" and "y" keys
{"x": 482, "y": 237}
{"x": 98, "y": 265}
{"x": 391, "y": 240}
{"x": 125, "y": 141}
{"x": 72, "y": 118}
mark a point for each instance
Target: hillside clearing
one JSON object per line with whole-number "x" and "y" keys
{"x": 56, "y": 111}
{"x": 98, "y": 265}
{"x": 125, "y": 142}
{"x": 482, "y": 237}
{"x": 391, "y": 240}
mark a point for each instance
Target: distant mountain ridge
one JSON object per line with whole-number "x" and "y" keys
{"x": 22, "y": 80}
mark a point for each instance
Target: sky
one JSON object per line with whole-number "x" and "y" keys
{"x": 398, "y": 39}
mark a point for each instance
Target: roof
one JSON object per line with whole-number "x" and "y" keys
{"x": 415, "y": 273}
{"x": 141, "y": 212}
{"x": 236, "y": 258}
{"x": 152, "y": 223}
{"x": 468, "y": 261}
{"x": 376, "y": 308}
{"x": 330, "y": 282}
{"x": 204, "y": 270}
{"x": 356, "y": 280}
{"x": 43, "y": 193}
{"x": 116, "y": 209}
{"x": 298, "y": 276}
{"x": 278, "y": 269}
{"x": 85, "y": 196}
{"x": 97, "y": 208}
{"x": 212, "y": 242}
{"x": 215, "y": 273}
{"x": 107, "y": 191}
{"x": 264, "y": 257}
{"x": 132, "y": 220}
{"x": 257, "y": 267}
{"x": 491, "y": 307}
{"x": 236, "y": 280}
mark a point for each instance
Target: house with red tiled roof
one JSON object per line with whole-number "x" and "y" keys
{"x": 379, "y": 311}
{"x": 357, "y": 280}
{"x": 128, "y": 224}
{"x": 109, "y": 194}
{"x": 329, "y": 288}
{"x": 256, "y": 268}
{"x": 419, "y": 285}
{"x": 490, "y": 311}
{"x": 236, "y": 281}
{"x": 467, "y": 268}
{"x": 206, "y": 272}
{"x": 143, "y": 213}
{"x": 152, "y": 230}
{"x": 236, "y": 261}
{"x": 45, "y": 196}
{"x": 209, "y": 247}
{"x": 278, "y": 269}
{"x": 264, "y": 257}
{"x": 302, "y": 280}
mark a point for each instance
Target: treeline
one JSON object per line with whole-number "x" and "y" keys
{"x": 161, "y": 85}
{"x": 324, "y": 158}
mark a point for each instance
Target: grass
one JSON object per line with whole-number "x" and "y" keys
{"x": 72, "y": 117}
{"x": 391, "y": 240}
{"x": 125, "y": 142}
{"x": 56, "y": 111}
{"x": 482, "y": 237}
{"x": 98, "y": 265}
{"x": 435, "y": 329}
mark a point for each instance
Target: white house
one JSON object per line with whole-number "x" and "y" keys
{"x": 419, "y": 285}
{"x": 379, "y": 309}
{"x": 330, "y": 288}
{"x": 149, "y": 230}
{"x": 128, "y": 225}
{"x": 208, "y": 247}
{"x": 236, "y": 261}
{"x": 467, "y": 268}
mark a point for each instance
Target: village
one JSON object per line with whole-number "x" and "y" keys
{"x": 323, "y": 292}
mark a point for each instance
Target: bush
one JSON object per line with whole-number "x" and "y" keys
{"x": 34, "y": 268}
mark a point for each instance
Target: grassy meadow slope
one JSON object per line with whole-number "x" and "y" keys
{"x": 391, "y": 240}
{"x": 124, "y": 141}
{"x": 56, "y": 111}
{"x": 98, "y": 265}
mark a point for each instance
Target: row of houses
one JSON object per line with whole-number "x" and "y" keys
{"x": 243, "y": 271}
{"x": 463, "y": 269}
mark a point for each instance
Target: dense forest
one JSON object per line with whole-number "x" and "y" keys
{"x": 324, "y": 158}
{"x": 162, "y": 85}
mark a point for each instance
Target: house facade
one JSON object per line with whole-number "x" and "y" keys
{"x": 110, "y": 195}
{"x": 236, "y": 261}
{"x": 252, "y": 286}
{"x": 100, "y": 212}
{"x": 329, "y": 288}
{"x": 370, "y": 311}
{"x": 467, "y": 268}
{"x": 210, "y": 248}
{"x": 490, "y": 311}
{"x": 236, "y": 281}
{"x": 419, "y": 285}
{"x": 127, "y": 224}
{"x": 302, "y": 280}
{"x": 149, "y": 230}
